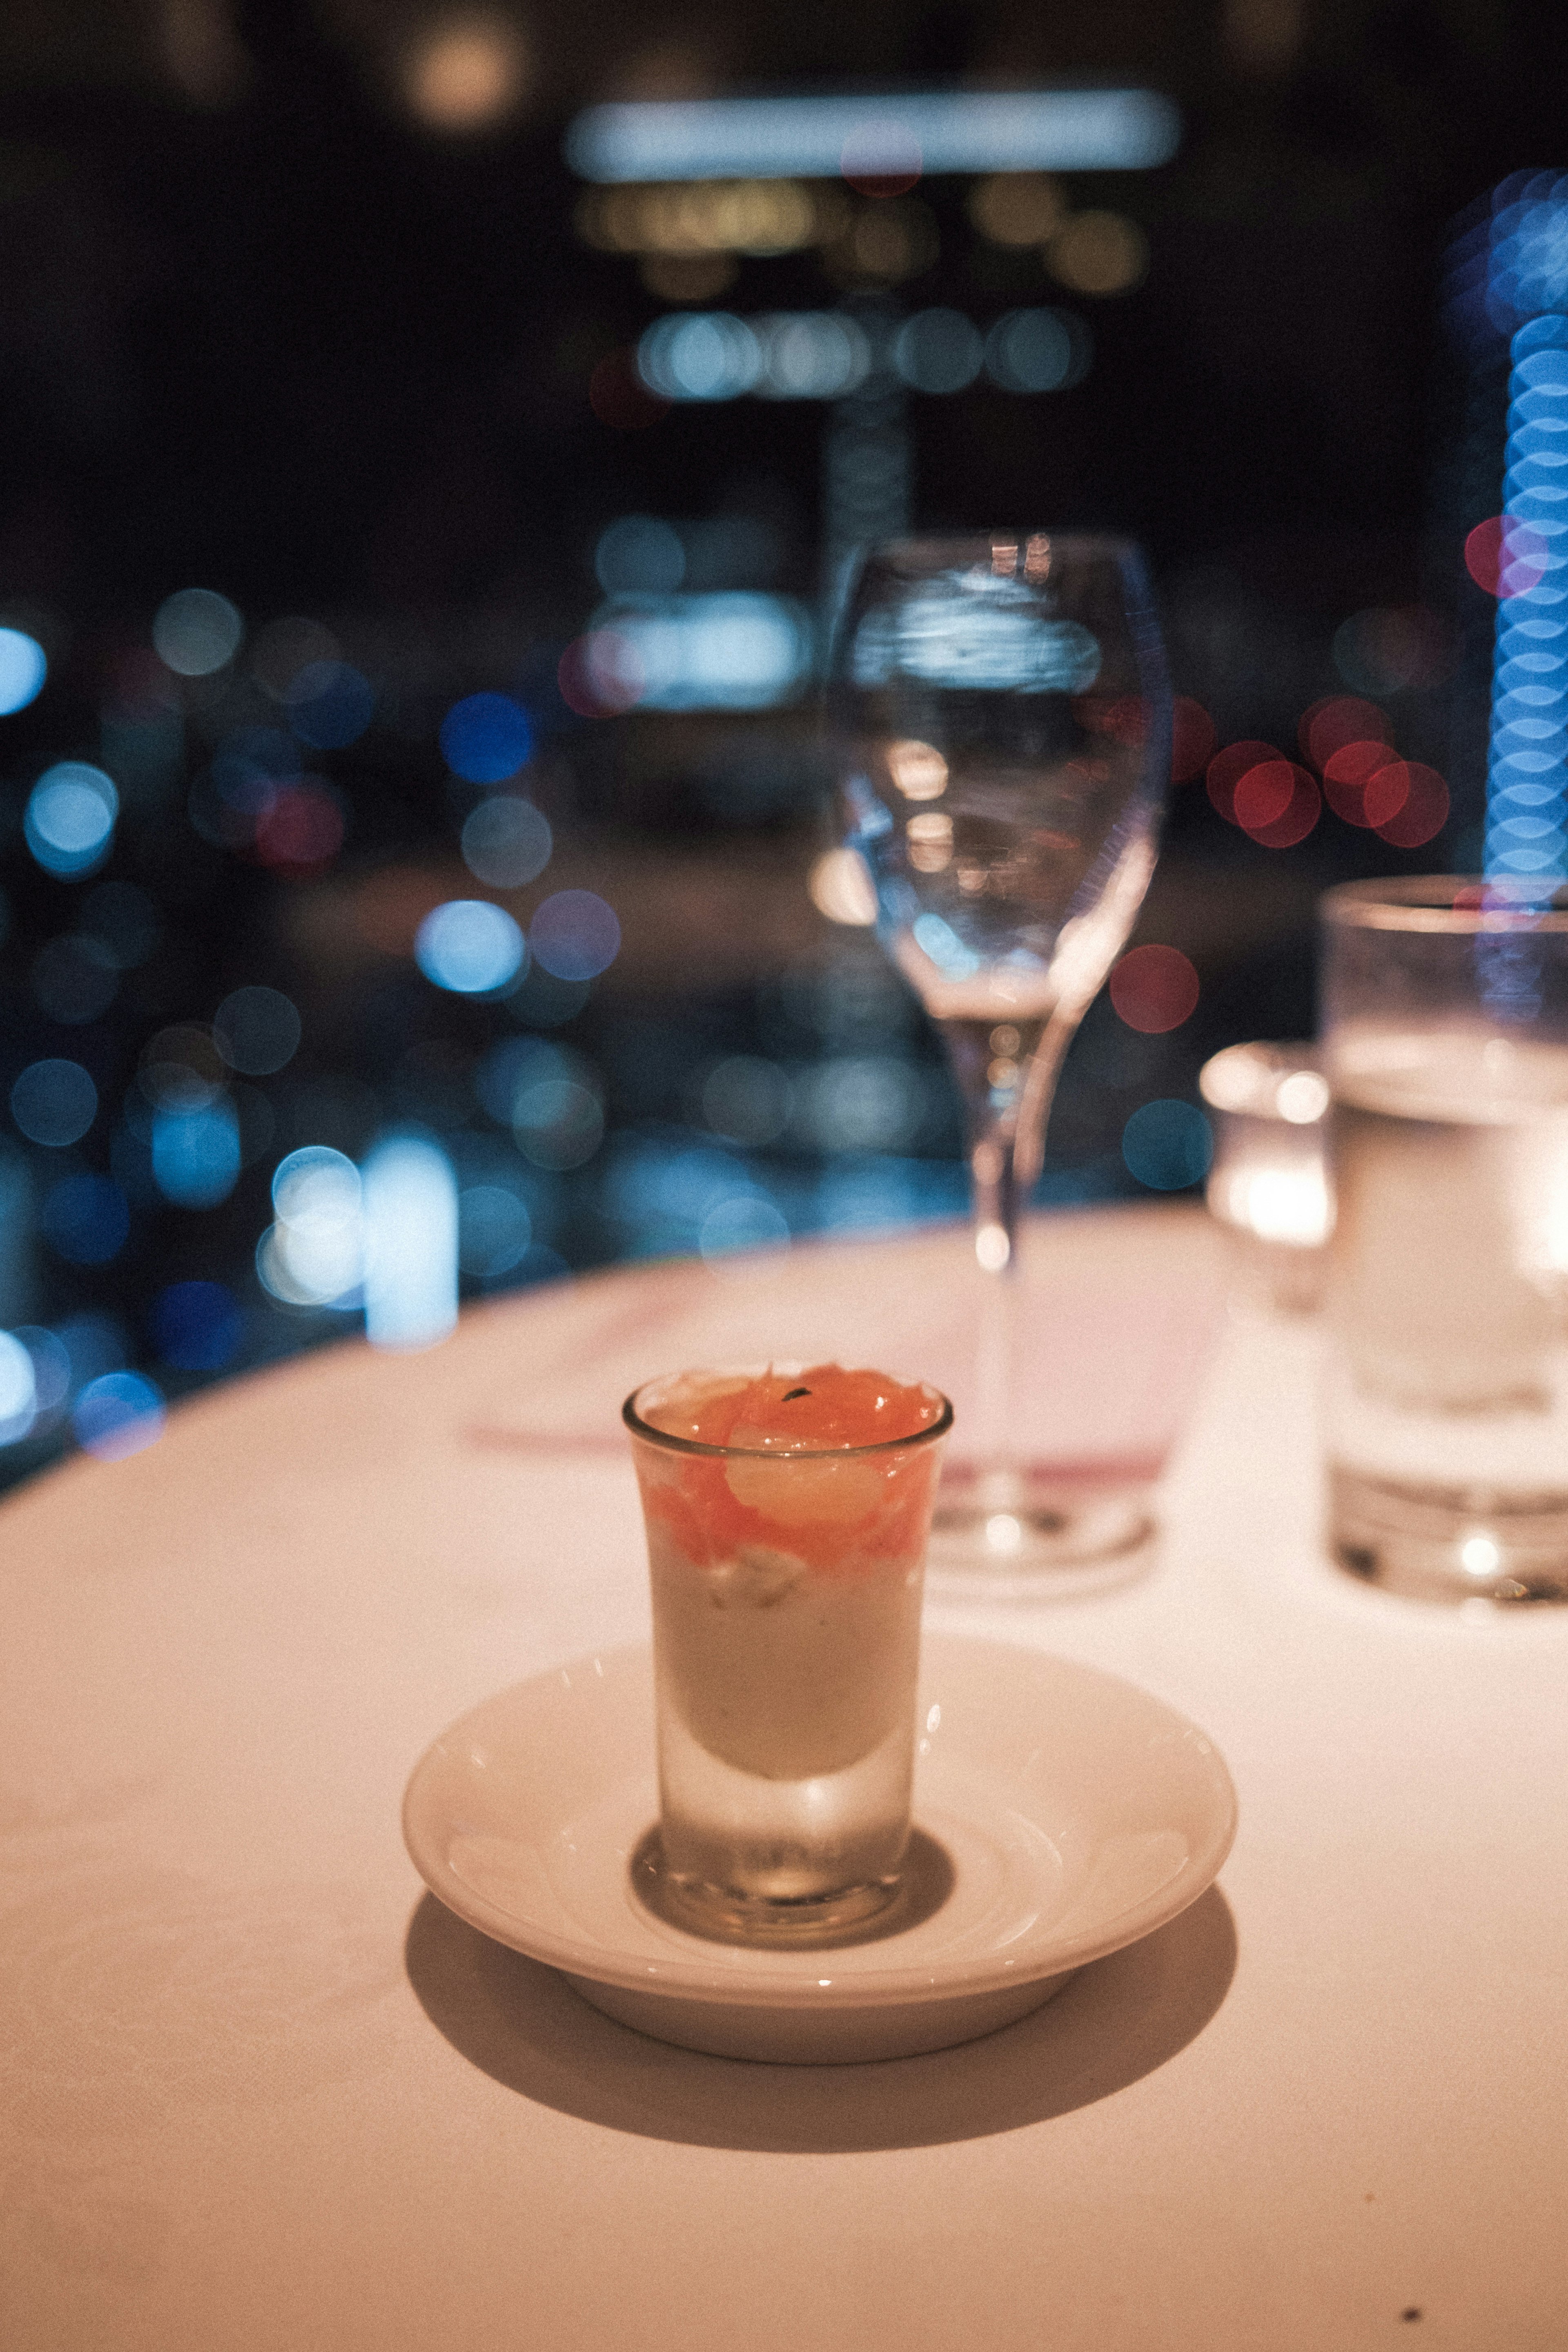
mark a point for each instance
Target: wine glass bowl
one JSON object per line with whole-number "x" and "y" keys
{"x": 1000, "y": 716}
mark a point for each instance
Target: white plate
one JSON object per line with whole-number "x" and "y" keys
{"x": 1065, "y": 1814}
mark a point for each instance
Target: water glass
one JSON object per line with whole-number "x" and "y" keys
{"x": 1446, "y": 1044}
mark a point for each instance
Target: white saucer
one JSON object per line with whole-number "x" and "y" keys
{"x": 1077, "y": 1813}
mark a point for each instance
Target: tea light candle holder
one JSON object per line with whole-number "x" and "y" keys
{"x": 1269, "y": 1183}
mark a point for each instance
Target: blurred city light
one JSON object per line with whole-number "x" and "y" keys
{"x": 747, "y": 1099}
{"x": 506, "y": 841}
{"x": 471, "y": 947}
{"x": 329, "y": 703}
{"x": 700, "y": 355}
{"x": 1168, "y": 1145}
{"x": 493, "y": 1230}
{"x": 810, "y": 355}
{"x": 197, "y": 1154}
{"x": 1017, "y": 208}
{"x": 715, "y": 217}
{"x": 558, "y": 1123}
{"x": 574, "y": 935}
{"x": 487, "y": 738}
{"x": 197, "y": 631}
{"x": 69, "y": 819}
{"x": 299, "y": 828}
{"x": 18, "y": 1389}
{"x": 119, "y": 1414}
{"x": 465, "y": 72}
{"x": 938, "y": 350}
{"x": 1038, "y": 351}
{"x": 256, "y": 1031}
{"x": 806, "y": 137}
{"x": 711, "y": 356}
{"x": 729, "y": 649}
{"x": 1527, "y": 779}
{"x": 314, "y": 1255}
{"x": 1098, "y": 253}
{"x": 24, "y": 666}
{"x": 410, "y": 1245}
{"x": 1154, "y": 989}
{"x": 54, "y": 1103}
{"x": 181, "y": 1069}
{"x": 1192, "y": 738}
{"x": 637, "y": 555}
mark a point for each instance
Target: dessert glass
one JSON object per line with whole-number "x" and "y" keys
{"x": 786, "y": 1609}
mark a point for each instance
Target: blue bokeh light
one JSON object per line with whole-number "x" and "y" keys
{"x": 197, "y": 1154}
{"x": 329, "y": 703}
{"x": 198, "y": 1326}
{"x": 506, "y": 841}
{"x": 69, "y": 820}
{"x": 24, "y": 666}
{"x": 85, "y": 1220}
{"x": 487, "y": 738}
{"x": 120, "y": 1414}
{"x": 197, "y": 631}
{"x": 54, "y": 1103}
{"x": 18, "y": 1389}
{"x": 1168, "y": 1145}
{"x": 472, "y": 947}
{"x": 574, "y": 935}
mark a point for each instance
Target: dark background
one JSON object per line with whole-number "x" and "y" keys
{"x": 266, "y": 330}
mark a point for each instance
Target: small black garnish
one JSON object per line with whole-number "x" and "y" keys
{"x": 790, "y": 1395}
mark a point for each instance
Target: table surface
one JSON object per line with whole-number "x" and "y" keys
{"x": 258, "y": 2090}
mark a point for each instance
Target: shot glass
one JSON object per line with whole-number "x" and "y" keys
{"x": 1446, "y": 1044}
{"x": 786, "y": 1612}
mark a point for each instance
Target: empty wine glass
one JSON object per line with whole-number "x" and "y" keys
{"x": 1002, "y": 717}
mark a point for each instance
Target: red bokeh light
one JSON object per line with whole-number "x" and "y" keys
{"x": 1297, "y": 813}
{"x": 618, "y": 397}
{"x": 600, "y": 674}
{"x": 1263, "y": 794}
{"x": 1192, "y": 738}
{"x": 1421, "y": 810}
{"x": 1226, "y": 769}
{"x": 1154, "y": 989}
{"x": 1349, "y": 782}
{"x": 1505, "y": 556}
{"x": 1328, "y": 726}
{"x": 300, "y": 830}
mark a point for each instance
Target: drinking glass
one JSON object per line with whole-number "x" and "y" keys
{"x": 1002, "y": 718}
{"x": 786, "y": 1625}
{"x": 1446, "y": 1040}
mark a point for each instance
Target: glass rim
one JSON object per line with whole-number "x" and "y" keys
{"x": 1425, "y": 903}
{"x": 666, "y": 1438}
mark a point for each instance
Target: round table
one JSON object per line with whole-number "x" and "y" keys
{"x": 258, "y": 2090}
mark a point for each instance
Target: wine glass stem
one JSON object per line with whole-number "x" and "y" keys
{"x": 1007, "y": 1100}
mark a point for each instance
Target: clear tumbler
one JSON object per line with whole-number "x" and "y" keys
{"x": 1446, "y": 1037}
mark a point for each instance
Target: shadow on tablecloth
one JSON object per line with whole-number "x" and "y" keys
{"x": 521, "y": 2024}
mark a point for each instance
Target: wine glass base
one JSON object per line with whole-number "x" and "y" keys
{"x": 1034, "y": 1543}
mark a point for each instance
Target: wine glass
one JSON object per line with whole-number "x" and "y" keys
{"x": 1002, "y": 717}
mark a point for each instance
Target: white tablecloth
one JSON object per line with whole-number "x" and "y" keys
{"x": 257, "y": 2091}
